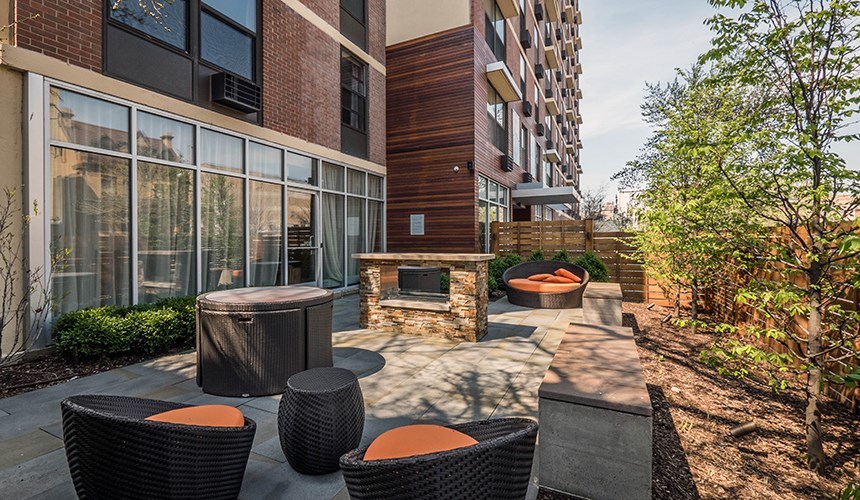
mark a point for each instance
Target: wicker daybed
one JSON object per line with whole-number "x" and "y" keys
{"x": 567, "y": 299}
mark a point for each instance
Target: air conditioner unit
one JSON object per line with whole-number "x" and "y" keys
{"x": 540, "y": 129}
{"x": 538, "y": 10}
{"x": 558, "y": 34}
{"x": 507, "y": 163}
{"x": 527, "y": 177}
{"x": 564, "y": 17}
{"x": 558, "y": 76}
{"x": 527, "y": 108}
{"x": 235, "y": 92}
{"x": 525, "y": 39}
{"x": 538, "y": 71}
{"x": 549, "y": 145}
{"x": 559, "y": 118}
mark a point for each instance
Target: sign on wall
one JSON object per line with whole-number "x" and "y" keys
{"x": 416, "y": 224}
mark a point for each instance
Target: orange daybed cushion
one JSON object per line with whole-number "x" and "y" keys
{"x": 539, "y": 277}
{"x": 541, "y": 286}
{"x": 413, "y": 440}
{"x": 558, "y": 279}
{"x": 567, "y": 274}
{"x": 206, "y": 415}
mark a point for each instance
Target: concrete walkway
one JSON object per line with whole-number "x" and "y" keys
{"x": 404, "y": 379}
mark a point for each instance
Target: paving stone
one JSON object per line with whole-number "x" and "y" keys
{"x": 46, "y": 476}
{"x": 55, "y": 429}
{"x": 265, "y": 478}
{"x": 25, "y": 447}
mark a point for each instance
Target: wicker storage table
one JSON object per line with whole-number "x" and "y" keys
{"x": 321, "y": 417}
{"x": 251, "y": 340}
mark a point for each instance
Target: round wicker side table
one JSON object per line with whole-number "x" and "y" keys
{"x": 321, "y": 417}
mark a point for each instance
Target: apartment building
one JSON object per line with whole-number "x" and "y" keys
{"x": 483, "y": 118}
{"x": 179, "y": 147}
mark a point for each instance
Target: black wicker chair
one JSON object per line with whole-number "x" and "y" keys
{"x": 564, "y": 300}
{"x": 498, "y": 467}
{"x": 114, "y": 453}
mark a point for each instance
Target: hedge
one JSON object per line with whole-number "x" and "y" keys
{"x": 113, "y": 330}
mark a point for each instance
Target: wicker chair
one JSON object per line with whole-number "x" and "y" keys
{"x": 564, "y": 300}
{"x": 498, "y": 467}
{"x": 114, "y": 453}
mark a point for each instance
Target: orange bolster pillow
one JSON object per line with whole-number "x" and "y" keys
{"x": 539, "y": 277}
{"x": 567, "y": 274}
{"x": 205, "y": 415}
{"x": 413, "y": 440}
{"x": 558, "y": 279}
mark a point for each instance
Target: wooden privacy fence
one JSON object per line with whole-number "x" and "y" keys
{"x": 577, "y": 237}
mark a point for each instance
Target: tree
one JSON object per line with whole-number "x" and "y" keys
{"x": 592, "y": 203}
{"x": 797, "y": 63}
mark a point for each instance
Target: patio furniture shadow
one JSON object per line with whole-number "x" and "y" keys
{"x": 362, "y": 362}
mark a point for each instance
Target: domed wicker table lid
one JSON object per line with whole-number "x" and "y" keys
{"x": 321, "y": 380}
{"x": 269, "y": 298}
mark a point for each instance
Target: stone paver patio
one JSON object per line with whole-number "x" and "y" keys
{"x": 404, "y": 379}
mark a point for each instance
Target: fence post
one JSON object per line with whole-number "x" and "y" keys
{"x": 589, "y": 235}
{"x": 494, "y": 238}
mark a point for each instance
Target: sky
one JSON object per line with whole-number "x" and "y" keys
{"x": 627, "y": 43}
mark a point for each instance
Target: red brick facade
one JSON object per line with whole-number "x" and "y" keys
{"x": 301, "y": 63}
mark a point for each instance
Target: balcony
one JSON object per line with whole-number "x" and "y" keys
{"x": 579, "y": 93}
{"x": 578, "y": 43}
{"x": 570, "y": 13}
{"x": 551, "y": 154}
{"x": 578, "y": 68}
{"x": 552, "y": 10}
{"x": 569, "y": 44}
{"x": 551, "y": 56}
{"x": 570, "y": 148}
{"x": 551, "y": 103}
{"x": 578, "y": 144}
{"x": 570, "y": 80}
{"x": 500, "y": 78}
{"x": 570, "y": 114}
{"x": 509, "y": 8}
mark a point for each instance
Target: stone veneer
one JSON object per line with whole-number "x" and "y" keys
{"x": 462, "y": 317}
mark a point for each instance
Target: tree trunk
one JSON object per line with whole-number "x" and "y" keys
{"x": 677, "y": 311}
{"x": 814, "y": 441}
{"x": 694, "y": 302}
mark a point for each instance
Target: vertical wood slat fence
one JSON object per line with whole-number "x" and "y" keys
{"x": 577, "y": 237}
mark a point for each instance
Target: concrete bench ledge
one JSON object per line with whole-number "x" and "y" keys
{"x": 597, "y": 365}
{"x": 601, "y": 304}
{"x": 595, "y": 417}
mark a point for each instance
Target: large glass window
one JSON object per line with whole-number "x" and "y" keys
{"x": 90, "y": 226}
{"x": 492, "y": 207}
{"x": 164, "y": 139}
{"x": 165, "y": 232}
{"x": 243, "y": 12}
{"x": 222, "y": 236}
{"x": 332, "y": 239}
{"x": 169, "y": 24}
{"x": 517, "y": 145}
{"x": 375, "y": 225}
{"x": 301, "y": 169}
{"x": 265, "y": 161}
{"x": 496, "y": 120}
{"x": 353, "y": 21}
{"x": 221, "y": 151}
{"x": 494, "y": 28}
{"x": 87, "y": 121}
{"x": 332, "y": 176}
{"x": 301, "y": 237}
{"x": 355, "y": 234}
{"x": 265, "y": 231}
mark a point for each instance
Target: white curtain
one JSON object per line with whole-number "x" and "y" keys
{"x": 332, "y": 229}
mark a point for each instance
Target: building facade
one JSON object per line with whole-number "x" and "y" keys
{"x": 483, "y": 118}
{"x": 179, "y": 147}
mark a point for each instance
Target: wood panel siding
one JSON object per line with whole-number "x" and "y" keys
{"x": 430, "y": 94}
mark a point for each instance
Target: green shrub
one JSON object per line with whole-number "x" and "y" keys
{"x": 145, "y": 328}
{"x": 445, "y": 282}
{"x": 492, "y": 284}
{"x": 537, "y": 255}
{"x": 512, "y": 259}
{"x": 562, "y": 256}
{"x": 595, "y": 267}
{"x": 497, "y": 267}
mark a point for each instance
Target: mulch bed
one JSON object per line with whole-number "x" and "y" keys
{"x": 53, "y": 369}
{"x": 694, "y": 409}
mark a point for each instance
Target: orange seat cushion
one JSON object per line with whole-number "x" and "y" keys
{"x": 567, "y": 274}
{"x": 539, "y": 277}
{"x": 205, "y": 415}
{"x": 558, "y": 279}
{"x": 413, "y": 440}
{"x": 541, "y": 286}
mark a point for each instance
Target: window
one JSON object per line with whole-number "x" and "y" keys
{"x": 496, "y": 120}
{"x": 495, "y": 29}
{"x": 353, "y": 21}
{"x": 523, "y": 76}
{"x": 517, "y": 147}
{"x": 170, "y": 27}
{"x": 223, "y": 44}
{"x": 524, "y": 146}
{"x": 492, "y": 207}
{"x": 353, "y": 97}
{"x": 535, "y": 158}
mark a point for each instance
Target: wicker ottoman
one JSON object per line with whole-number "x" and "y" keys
{"x": 321, "y": 417}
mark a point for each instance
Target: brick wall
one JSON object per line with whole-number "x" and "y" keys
{"x": 69, "y": 30}
{"x": 301, "y": 64}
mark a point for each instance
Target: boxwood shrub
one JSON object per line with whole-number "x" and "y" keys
{"x": 595, "y": 267}
{"x": 143, "y": 329}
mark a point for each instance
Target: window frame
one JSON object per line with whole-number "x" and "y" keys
{"x": 362, "y": 22}
{"x": 365, "y": 118}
